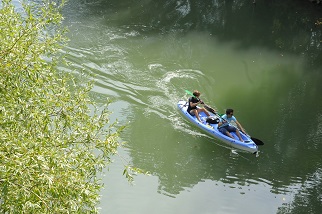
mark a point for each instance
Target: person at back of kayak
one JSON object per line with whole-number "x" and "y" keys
{"x": 225, "y": 128}
{"x": 193, "y": 102}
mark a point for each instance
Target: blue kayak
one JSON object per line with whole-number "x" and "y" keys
{"x": 212, "y": 130}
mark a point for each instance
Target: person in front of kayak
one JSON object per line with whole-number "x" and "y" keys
{"x": 193, "y": 102}
{"x": 225, "y": 128}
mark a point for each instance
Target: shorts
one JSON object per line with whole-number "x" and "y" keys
{"x": 227, "y": 128}
{"x": 192, "y": 112}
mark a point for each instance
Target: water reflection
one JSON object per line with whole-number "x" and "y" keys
{"x": 181, "y": 163}
{"x": 308, "y": 198}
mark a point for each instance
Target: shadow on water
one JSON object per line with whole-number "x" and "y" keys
{"x": 298, "y": 29}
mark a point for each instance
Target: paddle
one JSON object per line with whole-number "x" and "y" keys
{"x": 256, "y": 141}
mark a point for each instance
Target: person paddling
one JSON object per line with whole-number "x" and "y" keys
{"x": 224, "y": 127}
{"x": 193, "y": 103}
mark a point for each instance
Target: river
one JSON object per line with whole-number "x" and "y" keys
{"x": 263, "y": 60}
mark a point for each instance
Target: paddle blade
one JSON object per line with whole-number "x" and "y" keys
{"x": 189, "y": 92}
{"x": 257, "y": 141}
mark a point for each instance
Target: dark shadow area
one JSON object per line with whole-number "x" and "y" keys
{"x": 286, "y": 26}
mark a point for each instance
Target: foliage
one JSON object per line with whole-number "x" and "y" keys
{"x": 54, "y": 142}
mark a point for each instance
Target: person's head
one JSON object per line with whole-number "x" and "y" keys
{"x": 229, "y": 112}
{"x": 196, "y": 93}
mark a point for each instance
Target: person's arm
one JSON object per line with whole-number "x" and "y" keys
{"x": 192, "y": 104}
{"x": 240, "y": 127}
{"x": 221, "y": 122}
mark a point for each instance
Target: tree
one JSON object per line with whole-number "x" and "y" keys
{"x": 54, "y": 140}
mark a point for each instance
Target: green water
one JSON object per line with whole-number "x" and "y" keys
{"x": 264, "y": 61}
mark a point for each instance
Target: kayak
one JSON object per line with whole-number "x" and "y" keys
{"x": 212, "y": 129}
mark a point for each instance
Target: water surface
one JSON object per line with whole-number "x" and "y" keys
{"x": 144, "y": 55}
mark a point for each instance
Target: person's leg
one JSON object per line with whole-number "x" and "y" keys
{"x": 196, "y": 113}
{"x": 206, "y": 112}
{"x": 239, "y": 136}
{"x": 233, "y": 129}
{"x": 229, "y": 135}
{"x": 224, "y": 131}
{"x": 203, "y": 110}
